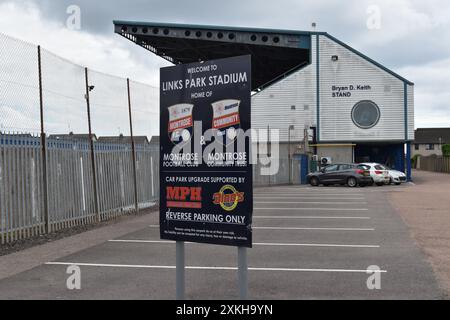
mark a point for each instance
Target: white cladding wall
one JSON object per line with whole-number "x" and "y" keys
{"x": 377, "y": 85}
{"x": 273, "y": 106}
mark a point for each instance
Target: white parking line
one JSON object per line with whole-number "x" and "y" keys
{"x": 317, "y": 245}
{"x": 264, "y": 244}
{"x": 308, "y": 217}
{"x": 137, "y": 266}
{"x": 342, "y": 190}
{"x": 311, "y": 202}
{"x": 314, "y": 229}
{"x": 301, "y": 228}
{"x": 308, "y": 189}
{"x": 309, "y": 194}
{"x": 294, "y": 198}
{"x": 145, "y": 241}
{"x": 315, "y": 209}
{"x": 309, "y": 198}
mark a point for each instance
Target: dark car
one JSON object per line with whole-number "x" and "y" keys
{"x": 343, "y": 174}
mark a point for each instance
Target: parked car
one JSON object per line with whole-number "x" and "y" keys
{"x": 343, "y": 174}
{"x": 378, "y": 173}
{"x": 396, "y": 177}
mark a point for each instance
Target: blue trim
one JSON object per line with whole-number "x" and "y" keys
{"x": 310, "y": 51}
{"x": 399, "y": 156}
{"x": 408, "y": 162}
{"x": 379, "y": 65}
{"x": 20, "y": 141}
{"x": 318, "y": 87}
{"x": 305, "y": 42}
{"x": 405, "y": 101}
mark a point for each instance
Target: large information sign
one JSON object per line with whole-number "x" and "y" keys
{"x": 205, "y": 167}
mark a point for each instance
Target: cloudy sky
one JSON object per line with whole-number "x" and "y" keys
{"x": 413, "y": 37}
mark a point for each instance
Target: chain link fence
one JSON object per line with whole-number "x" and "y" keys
{"x": 68, "y": 152}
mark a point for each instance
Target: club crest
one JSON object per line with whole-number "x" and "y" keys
{"x": 226, "y": 119}
{"x": 180, "y": 123}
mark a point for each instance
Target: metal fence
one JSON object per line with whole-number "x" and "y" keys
{"x": 434, "y": 163}
{"x": 70, "y": 186}
{"x": 74, "y": 143}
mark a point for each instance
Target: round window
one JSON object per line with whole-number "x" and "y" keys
{"x": 366, "y": 114}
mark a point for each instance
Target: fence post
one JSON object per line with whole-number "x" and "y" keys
{"x": 91, "y": 142}
{"x": 43, "y": 146}
{"x": 133, "y": 149}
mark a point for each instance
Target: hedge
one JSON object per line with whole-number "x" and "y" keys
{"x": 446, "y": 150}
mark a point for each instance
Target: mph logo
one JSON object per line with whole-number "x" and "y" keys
{"x": 228, "y": 198}
{"x": 184, "y": 197}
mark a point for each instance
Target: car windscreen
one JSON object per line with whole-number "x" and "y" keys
{"x": 378, "y": 167}
{"x": 363, "y": 167}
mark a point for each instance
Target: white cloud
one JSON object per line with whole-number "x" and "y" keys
{"x": 64, "y": 82}
{"x": 399, "y": 19}
{"x": 432, "y": 97}
{"x": 106, "y": 54}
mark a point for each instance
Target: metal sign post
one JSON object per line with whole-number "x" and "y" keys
{"x": 242, "y": 273}
{"x": 181, "y": 268}
{"x": 206, "y": 176}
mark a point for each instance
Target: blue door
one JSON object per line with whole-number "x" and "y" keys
{"x": 304, "y": 163}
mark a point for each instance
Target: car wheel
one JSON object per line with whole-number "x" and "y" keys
{"x": 352, "y": 182}
{"x": 398, "y": 183}
{"x": 380, "y": 184}
{"x": 390, "y": 181}
{"x": 314, "y": 181}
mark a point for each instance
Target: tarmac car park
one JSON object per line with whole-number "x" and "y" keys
{"x": 309, "y": 243}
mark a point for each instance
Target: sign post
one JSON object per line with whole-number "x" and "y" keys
{"x": 206, "y": 192}
{"x": 242, "y": 273}
{"x": 181, "y": 271}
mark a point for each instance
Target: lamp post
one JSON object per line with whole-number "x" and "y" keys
{"x": 90, "y": 88}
